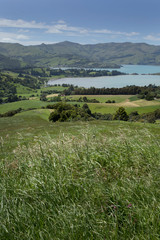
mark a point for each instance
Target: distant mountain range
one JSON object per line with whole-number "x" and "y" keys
{"x": 68, "y": 54}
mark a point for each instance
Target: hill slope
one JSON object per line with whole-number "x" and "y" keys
{"x": 77, "y": 55}
{"x": 10, "y": 63}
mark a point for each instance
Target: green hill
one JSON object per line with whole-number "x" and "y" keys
{"x": 10, "y": 63}
{"x": 76, "y": 55}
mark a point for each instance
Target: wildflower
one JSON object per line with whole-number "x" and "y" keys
{"x": 113, "y": 206}
{"x": 129, "y": 205}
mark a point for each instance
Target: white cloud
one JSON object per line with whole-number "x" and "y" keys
{"x": 63, "y": 28}
{"x": 12, "y": 37}
{"x": 60, "y": 27}
{"x": 106, "y": 31}
{"x": 103, "y": 31}
{"x": 8, "y": 23}
{"x": 61, "y": 22}
{"x": 23, "y": 30}
{"x": 132, "y": 34}
{"x": 152, "y": 38}
{"x": 34, "y": 42}
{"x": 56, "y": 28}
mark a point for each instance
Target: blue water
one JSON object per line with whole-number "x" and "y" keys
{"x": 140, "y": 69}
{"x": 117, "y": 81}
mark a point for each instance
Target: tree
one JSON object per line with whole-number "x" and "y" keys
{"x": 121, "y": 115}
{"x": 43, "y": 97}
{"x": 54, "y": 116}
{"x": 149, "y": 97}
{"x": 157, "y": 114}
{"x": 67, "y": 112}
{"x": 85, "y": 99}
{"x": 86, "y": 108}
{"x": 134, "y": 116}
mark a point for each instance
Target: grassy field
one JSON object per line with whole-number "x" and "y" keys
{"x": 25, "y": 104}
{"x": 35, "y": 123}
{"x": 112, "y": 108}
{"x": 130, "y": 103}
{"x": 104, "y": 98}
{"x": 95, "y": 180}
{"x": 27, "y": 92}
{"x": 84, "y": 180}
{"x": 57, "y": 88}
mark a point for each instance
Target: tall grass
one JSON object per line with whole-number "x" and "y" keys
{"x": 88, "y": 187}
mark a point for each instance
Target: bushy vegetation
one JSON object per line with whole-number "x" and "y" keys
{"x": 145, "y": 117}
{"x": 110, "y": 101}
{"x": 10, "y": 82}
{"x": 121, "y": 115}
{"x": 84, "y": 72}
{"x": 7, "y": 86}
{"x": 67, "y": 112}
{"x": 90, "y": 186}
{"x": 9, "y": 63}
{"x": 11, "y": 113}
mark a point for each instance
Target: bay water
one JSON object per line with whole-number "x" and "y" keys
{"x": 142, "y": 79}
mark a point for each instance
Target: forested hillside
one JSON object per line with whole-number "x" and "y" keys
{"x": 76, "y": 55}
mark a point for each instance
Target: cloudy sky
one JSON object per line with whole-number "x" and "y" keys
{"x": 32, "y": 22}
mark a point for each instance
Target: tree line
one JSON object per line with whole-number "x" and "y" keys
{"x": 75, "y": 72}
{"x": 147, "y": 92}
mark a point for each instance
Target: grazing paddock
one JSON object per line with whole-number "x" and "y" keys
{"x": 78, "y": 180}
{"x": 103, "y": 98}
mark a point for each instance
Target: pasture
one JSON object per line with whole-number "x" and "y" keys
{"x": 78, "y": 180}
{"x": 103, "y": 98}
{"x": 129, "y": 102}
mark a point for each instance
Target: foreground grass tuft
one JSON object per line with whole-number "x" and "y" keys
{"x": 87, "y": 187}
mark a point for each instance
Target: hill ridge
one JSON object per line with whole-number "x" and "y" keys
{"x": 72, "y": 54}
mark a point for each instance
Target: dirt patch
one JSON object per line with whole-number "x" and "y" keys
{"x": 52, "y": 95}
{"x": 51, "y": 110}
{"x": 143, "y": 103}
{"x": 32, "y": 98}
{"x": 127, "y": 103}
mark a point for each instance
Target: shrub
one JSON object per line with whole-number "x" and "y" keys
{"x": 66, "y": 112}
{"x": 54, "y": 116}
{"x": 86, "y": 109}
{"x": 134, "y": 116}
{"x": 11, "y": 113}
{"x": 148, "y": 117}
{"x": 149, "y": 97}
{"x": 157, "y": 114}
{"x": 121, "y": 115}
{"x": 100, "y": 116}
{"x": 55, "y": 99}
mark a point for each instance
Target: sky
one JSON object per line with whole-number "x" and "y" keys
{"x": 33, "y": 22}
